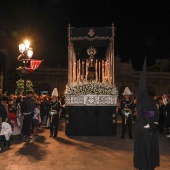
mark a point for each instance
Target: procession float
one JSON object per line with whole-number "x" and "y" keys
{"x": 91, "y": 94}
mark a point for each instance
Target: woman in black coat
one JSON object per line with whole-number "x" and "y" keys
{"x": 167, "y": 118}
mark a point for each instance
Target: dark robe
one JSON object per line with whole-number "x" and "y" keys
{"x": 146, "y": 144}
{"x": 127, "y": 120}
{"x": 54, "y": 120}
{"x": 167, "y": 119}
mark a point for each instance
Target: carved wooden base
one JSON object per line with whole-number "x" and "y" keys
{"x": 91, "y": 120}
{"x": 91, "y": 100}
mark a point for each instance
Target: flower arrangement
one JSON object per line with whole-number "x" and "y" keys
{"x": 90, "y": 87}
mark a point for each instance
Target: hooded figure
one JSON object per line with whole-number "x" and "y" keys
{"x": 146, "y": 145}
{"x": 127, "y": 107}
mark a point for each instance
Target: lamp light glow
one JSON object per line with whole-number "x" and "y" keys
{"x": 27, "y": 44}
{"x": 30, "y": 53}
{"x": 22, "y": 48}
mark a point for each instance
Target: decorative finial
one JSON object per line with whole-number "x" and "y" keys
{"x": 91, "y": 51}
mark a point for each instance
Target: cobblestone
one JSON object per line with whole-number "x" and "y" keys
{"x": 75, "y": 153}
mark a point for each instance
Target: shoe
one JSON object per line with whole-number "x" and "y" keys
{"x": 130, "y": 137}
{"x": 122, "y": 137}
{"x": 55, "y": 136}
{"x": 5, "y": 143}
{"x": 8, "y": 143}
{"x": 36, "y": 136}
{"x": 28, "y": 138}
{"x": 24, "y": 137}
{"x": 168, "y": 136}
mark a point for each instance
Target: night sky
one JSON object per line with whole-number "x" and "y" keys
{"x": 141, "y": 28}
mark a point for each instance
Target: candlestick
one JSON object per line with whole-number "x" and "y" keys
{"x": 96, "y": 71}
{"x": 102, "y": 70}
{"x": 99, "y": 71}
{"x": 105, "y": 69}
{"x": 108, "y": 73}
{"x": 77, "y": 70}
{"x": 79, "y": 66}
{"x": 73, "y": 72}
{"x": 86, "y": 68}
{"x": 82, "y": 69}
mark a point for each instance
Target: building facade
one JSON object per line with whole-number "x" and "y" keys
{"x": 46, "y": 79}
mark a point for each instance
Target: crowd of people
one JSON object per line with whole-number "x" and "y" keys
{"x": 23, "y": 115}
{"x": 126, "y": 111}
{"x": 39, "y": 109}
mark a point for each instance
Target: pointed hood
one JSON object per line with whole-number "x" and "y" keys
{"x": 143, "y": 82}
{"x": 55, "y": 92}
{"x": 127, "y": 92}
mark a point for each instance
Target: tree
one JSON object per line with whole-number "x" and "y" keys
{"x": 20, "y": 86}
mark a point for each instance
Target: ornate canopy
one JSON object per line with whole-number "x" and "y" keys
{"x": 80, "y": 39}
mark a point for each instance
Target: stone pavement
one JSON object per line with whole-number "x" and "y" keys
{"x": 75, "y": 153}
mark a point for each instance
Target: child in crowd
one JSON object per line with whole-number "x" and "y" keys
{"x": 6, "y": 130}
{"x": 36, "y": 120}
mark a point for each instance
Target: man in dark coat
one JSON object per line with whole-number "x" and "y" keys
{"x": 3, "y": 112}
{"x": 167, "y": 111}
{"x": 28, "y": 115}
{"x": 146, "y": 144}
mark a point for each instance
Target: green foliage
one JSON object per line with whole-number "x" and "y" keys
{"x": 20, "y": 86}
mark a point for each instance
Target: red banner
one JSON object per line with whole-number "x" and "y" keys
{"x": 34, "y": 64}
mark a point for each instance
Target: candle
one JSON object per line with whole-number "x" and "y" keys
{"x": 73, "y": 74}
{"x": 79, "y": 66}
{"x": 108, "y": 74}
{"x": 102, "y": 70}
{"x": 99, "y": 71}
{"x": 77, "y": 70}
{"x": 82, "y": 69}
{"x": 105, "y": 69}
{"x": 96, "y": 71}
{"x": 86, "y": 68}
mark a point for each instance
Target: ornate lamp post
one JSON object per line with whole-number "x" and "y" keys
{"x": 26, "y": 53}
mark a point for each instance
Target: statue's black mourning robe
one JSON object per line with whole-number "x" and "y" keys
{"x": 146, "y": 145}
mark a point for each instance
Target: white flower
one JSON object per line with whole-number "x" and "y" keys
{"x": 92, "y": 87}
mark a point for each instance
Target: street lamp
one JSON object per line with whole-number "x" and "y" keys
{"x": 26, "y": 53}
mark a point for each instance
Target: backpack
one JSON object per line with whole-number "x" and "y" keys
{"x": 24, "y": 106}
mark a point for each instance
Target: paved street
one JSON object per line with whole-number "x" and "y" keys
{"x": 75, "y": 153}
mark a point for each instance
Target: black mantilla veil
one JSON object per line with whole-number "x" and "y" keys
{"x": 143, "y": 82}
